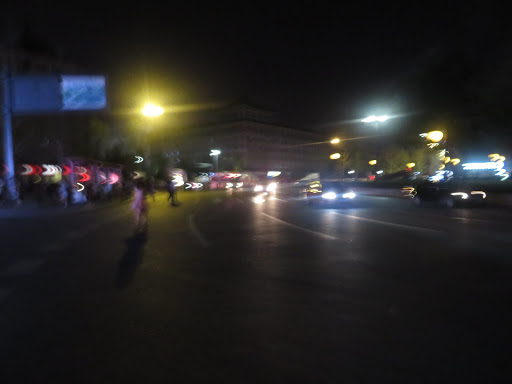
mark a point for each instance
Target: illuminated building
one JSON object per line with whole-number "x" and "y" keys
{"x": 251, "y": 139}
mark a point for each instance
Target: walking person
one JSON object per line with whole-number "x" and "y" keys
{"x": 140, "y": 206}
{"x": 172, "y": 193}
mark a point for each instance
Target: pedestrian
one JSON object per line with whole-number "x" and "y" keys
{"x": 151, "y": 188}
{"x": 140, "y": 206}
{"x": 172, "y": 193}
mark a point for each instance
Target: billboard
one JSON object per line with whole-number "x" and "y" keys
{"x": 81, "y": 93}
{"x": 39, "y": 94}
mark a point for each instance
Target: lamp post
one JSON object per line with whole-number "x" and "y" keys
{"x": 150, "y": 111}
{"x": 215, "y": 153}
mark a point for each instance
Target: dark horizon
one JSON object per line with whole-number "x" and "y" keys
{"x": 314, "y": 65}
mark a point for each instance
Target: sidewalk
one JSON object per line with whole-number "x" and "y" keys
{"x": 32, "y": 209}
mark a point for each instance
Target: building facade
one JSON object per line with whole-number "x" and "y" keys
{"x": 250, "y": 138}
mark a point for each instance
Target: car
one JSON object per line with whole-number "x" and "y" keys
{"x": 449, "y": 194}
{"x": 329, "y": 193}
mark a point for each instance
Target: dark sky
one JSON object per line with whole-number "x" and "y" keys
{"x": 313, "y": 62}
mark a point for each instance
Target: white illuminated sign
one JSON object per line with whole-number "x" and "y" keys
{"x": 482, "y": 166}
{"x": 273, "y": 173}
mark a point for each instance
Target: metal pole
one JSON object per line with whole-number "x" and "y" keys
{"x": 216, "y": 163}
{"x": 7, "y": 136}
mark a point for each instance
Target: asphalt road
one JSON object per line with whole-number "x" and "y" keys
{"x": 224, "y": 290}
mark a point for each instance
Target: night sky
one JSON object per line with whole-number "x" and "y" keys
{"x": 314, "y": 63}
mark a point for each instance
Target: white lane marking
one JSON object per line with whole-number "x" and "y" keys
{"x": 4, "y": 294}
{"x": 278, "y": 199}
{"x": 404, "y": 226}
{"x": 23, "y": 267}
{"x": 196, "y": 233}
{"x": 323, "y": 235}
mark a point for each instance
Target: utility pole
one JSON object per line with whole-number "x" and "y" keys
{"x": 7, "y": 136}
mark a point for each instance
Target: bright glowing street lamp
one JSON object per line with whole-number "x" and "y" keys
{"x": 335, "y": 141}
{"x": 373, "y": 119}
{"x": 435, "y": 136}
{"x": 372, "y": 162}
{"x": 151, "y": 110}
{"x": 335, "y": 156}
{"x": 215, "y": 153}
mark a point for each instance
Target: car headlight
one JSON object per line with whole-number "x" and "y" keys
{"x": 271, "y": 187}
{"x": 258, "y": 188}
{"x": 329, "y": 195}
{"x": 349, "y": 195}
{"x": 464, "y": 195}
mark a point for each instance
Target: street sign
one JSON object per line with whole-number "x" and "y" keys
{"x": 40, "y": 94}
{"x": 31, "y": 94}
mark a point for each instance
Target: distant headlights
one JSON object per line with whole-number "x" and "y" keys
{"x": 349, "y": 195}
{"x": 271, "y": 187}
{"x": 329, "y": 195}
{"x": 461, "y": 194}
{"x": 258, "y": 188}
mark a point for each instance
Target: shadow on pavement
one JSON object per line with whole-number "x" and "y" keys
{"x": 131, "y": 258}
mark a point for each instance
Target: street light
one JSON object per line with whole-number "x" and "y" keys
{"x": 215, "y": 153}
{"x": 152, "y": 110}
{"x": 435, "y": 136}
{"x": 335, "y": 141}
{"x": 373, "y": 119}
{"x": 372, "y": 162}
{"x": 335, "y": 156}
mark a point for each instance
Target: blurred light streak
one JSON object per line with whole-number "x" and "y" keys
{"x": 463, "y": 194}
{"x": 335, "y": 156}
{"x": 28, "y": 170}
{"x": 258, "y": 188}
{"x": 410, "y": 165}
{"x": 67, "y": 170}
{"x": 114, "y": 178}
{"x": 484, "y": 195}
{"x": 177, "y": 179}
{"x": 80, "y": 187}
{"x": 271, "y": 187}
{"x": 139, "y": 159}
{"x": 85, "y": 177}
{"x": 455, "y": 161}
{"x": 372, "y": 162}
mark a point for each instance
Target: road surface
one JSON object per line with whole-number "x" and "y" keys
{"x": 225, "y": 290}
